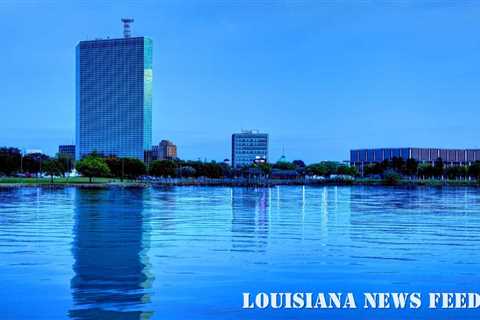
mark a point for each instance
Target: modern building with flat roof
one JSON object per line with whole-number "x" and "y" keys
{"x": 114, "y": 97}
{"x": 249, "y": 146}
{"x": 362, "y": 157}
{"x": 67, "y": 150}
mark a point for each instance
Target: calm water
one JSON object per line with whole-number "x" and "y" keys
{"x": 189, "y": 253}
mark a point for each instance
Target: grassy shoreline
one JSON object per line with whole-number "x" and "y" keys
{"x": 83, "y": 182}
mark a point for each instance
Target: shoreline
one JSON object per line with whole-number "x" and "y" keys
{"x": 242, "y": 183}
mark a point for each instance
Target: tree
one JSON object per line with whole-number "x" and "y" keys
{"x": 474, "y": 170}
{"x": 266, "y": 168}
{"x": 438, "y": 168}
{"x": 398, "y": 164}
{"x": 385, "y": 164}
{"x": 33, "y": 162}
{"x": 186, "y": 171}
{"x": 391, "y": 177}
{"x": 317, "y": 169}
{"x": 456, "y": 172}
{"x": 93, "y": 166}
{"x": 347, "y": 170}
{"x": 134, "y": 168}
{"x": 374, "y": 169}
{"x": 353, "y": 171}
{"x": 324, "y": 168}
{"x": 10, "y": 160}
{"x": 284, "y": 166}
{"x": 163, "y": 168}
{"x": 130, "y": 168}
{"x": 425, "y": 170}
{"x": 411, "y": 167}
{"x": 115, "y": 166}
{"x": 211, "y": 170}
{"x": 462, "y": 172}
{"x": 53, "y": 167}
{"x": 66, "y": 164}
{"x": 299, "y": 163}
{"x": 331, "y": 167}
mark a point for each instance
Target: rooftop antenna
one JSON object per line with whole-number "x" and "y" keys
{"x": 126, "y": 27}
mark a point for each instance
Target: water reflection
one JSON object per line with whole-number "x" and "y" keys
{"x": 112, "y": 274}
{"x": 250, "y": 219}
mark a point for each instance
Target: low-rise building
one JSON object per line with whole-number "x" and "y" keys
{"x": 450, "y": 157}
{"x": 165, "y": 150}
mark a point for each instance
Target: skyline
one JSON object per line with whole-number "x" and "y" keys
{"x": 391, "y": 74}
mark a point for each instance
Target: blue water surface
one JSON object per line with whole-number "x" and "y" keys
{"x": 190, "y": 252}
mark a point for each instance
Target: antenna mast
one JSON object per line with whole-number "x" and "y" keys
{"x": 126, "y": 27}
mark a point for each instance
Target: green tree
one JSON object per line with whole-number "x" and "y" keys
{"x": 284, "y": 166}
{"x": 265, "y": 167}
{"x": 411, "y": 167}
{"x": 53, "y": 167}
{"x": 299, "y": 163}
{"x": 163, "y": 168}
{"x": 456, "y": 172}
{"x": 438, "y": 168}
{"x": 212, "y": 170}
{"x": 353, "y": 171}
{"x": 317, "y": 169}
{"x": 398, "y": 164}
{"x": 130, "y": 168}
{"x": 347, "y": 170}
{"x": 10, "y": 161}
{"x": 324, "y": 168}
{"x": 33, "y": 162}
{"x": 186, "y": 171}
{"x": 474, "y": 170}
{"x": 66, "y": 164}
{"x": 374, "y": 169}
{"x": 462, "y": 172}
{"x": 134, "y": 168}
{"x": 93, "y": 166}
{"x": 331, "y": 167}
{"x": 115, "y": 166}
{"x": 426, "y": 170}
{"x": 385, "y": 164}
{"x": 391, "y": 177}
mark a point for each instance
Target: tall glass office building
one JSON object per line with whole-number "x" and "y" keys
{"x": 114, "y": 97}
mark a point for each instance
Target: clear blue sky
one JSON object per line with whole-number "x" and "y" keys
{"x": 321, "y": 77}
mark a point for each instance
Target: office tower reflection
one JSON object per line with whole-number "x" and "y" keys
{"x": 112, "y": 278}
{"x": 250, "y": 219}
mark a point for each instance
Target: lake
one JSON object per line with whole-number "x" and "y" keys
{"x": 190, "y": 252}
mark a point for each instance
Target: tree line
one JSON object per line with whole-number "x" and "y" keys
{"x": 413, "y": 169}
{"x": 95, "y": 166}
{"x": 219, "y": 170}
{"x": 12, "y": 162}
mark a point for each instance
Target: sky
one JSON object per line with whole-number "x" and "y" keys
{"x": 321, "y": 77}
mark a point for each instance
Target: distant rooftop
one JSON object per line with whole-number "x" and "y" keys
{"x": 250, "y": 131}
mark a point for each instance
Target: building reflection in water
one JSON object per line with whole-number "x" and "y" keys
{"x": 250, "y": 219}
{"x": 112, "y": 278}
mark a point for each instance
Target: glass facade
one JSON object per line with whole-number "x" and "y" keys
{"x": 67, "y": 150}
{"x": 449, "y": 156}
{"x": 114, "y": 97}
{"x": 247, "y": 146}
